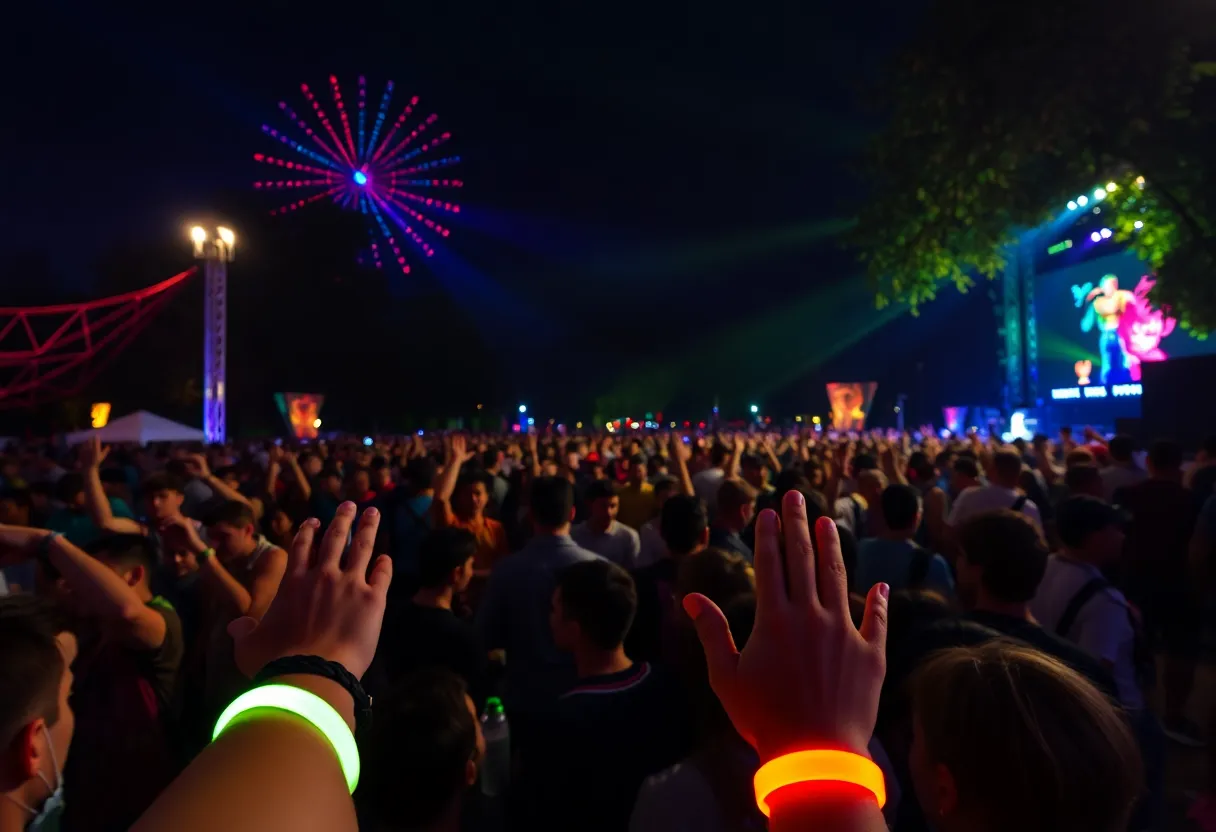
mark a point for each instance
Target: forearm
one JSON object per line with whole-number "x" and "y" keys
{"x": 269, "y": 770}
{"x": 226, "y": 588}
{"x": 224, "y": 490}
{"x": 95, "y": 500}
{"x": 272, "y": 479}
{"x": 301, "y": 480}
{"x": 685, "y": 478}
{"x": 100, "y": 588}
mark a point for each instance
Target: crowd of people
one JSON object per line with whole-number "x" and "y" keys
{"x": 887, "y": 629}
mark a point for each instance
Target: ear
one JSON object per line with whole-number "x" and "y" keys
{"x": 135, "y": 575}
{"x": 572, "y": 514}
{"x": 470, "y": 773}
{"x": 945, "y": 791}
{"x": 704, "y": 539}
{"x": 30, "y": 748}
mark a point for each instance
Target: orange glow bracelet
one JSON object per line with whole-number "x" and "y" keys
{"x": 818, "y": 765}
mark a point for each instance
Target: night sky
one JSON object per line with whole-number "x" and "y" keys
{"x": 653, "y": 191}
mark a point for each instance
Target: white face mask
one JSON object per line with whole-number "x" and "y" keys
{"x": 48, "y": 817}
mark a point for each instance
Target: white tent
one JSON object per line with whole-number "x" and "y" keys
{"x": 142, "y": 427}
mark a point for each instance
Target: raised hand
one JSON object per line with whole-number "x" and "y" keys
{"x": 93, "y": 453}
{"x": 327, "y": 605}
{"x": 179, "y": 535}
{"x": 807, "y": 677}
{"x": 198, "y": 465}
{"x": 460, "y": 453}
{"x": 678, "y": 449}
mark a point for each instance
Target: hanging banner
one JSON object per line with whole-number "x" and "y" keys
{"x": 850, "y": 402}
{"x": 301, "y": 412}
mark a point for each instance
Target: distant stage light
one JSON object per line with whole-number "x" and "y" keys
{"x": 1082, "y": 200}
{"x": 755, "y": 408}
{"x": 1100, "y": 193}
{"x": 316, "y": 423}
{"x": 1140, "y": 181}
{"x": 360, "y": 177}
{"x": 1072, "y": 205}
{"x": 1138, "y": 224}
{"x": 1096, "y": 237}
{"x": 1111, "y": 187}
{"x": 1105, "y": 232}
{"x": 523, "y": 408}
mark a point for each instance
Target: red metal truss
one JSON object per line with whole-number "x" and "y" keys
{"x": 47, "y": 352}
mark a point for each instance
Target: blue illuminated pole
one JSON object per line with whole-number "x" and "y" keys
{"x": 216, "y": 251}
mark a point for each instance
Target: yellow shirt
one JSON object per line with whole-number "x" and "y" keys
{"x": 637, "y": 505}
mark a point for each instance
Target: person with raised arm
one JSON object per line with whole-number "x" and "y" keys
{"x": 804, "y": 692}
{"x": 460, "y": 501}
{"x": 287, "y": 758}
{"x": 126, "y": 676}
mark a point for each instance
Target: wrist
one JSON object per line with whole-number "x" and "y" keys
{"x": 335, "y": 695}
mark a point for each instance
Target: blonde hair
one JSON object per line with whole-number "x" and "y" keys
{"x": 1030, "y": 743}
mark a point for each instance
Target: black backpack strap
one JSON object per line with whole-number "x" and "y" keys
{"x": 1019, "y": 503}
{"x": 1077, "y": 602}
{"x": 918, "y": 567}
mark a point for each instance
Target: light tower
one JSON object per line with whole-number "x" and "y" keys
{"x": 215, "y": 248}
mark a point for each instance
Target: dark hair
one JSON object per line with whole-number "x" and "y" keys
{"x": 966, "y": 466}
{"x": 733, "y": 494}
{"x": 664, "y": 483}
{"x": 231, "y": 513}
{"x": 1121, "y": 448}
{"x": 441, "y": 551}
{"x": 470, "y": 477}
{"x": 31, "y": 665}
{"x": 638, "y": 459}
{"x": 922, "y": 466}
{"x": 1068, "y": 759}
{"x": 68, "y": 486}
{"x": 718, "y": 455}
{"x": 1165, "y": 455}
{"x": 419, "y": 472}
{"x": 682, "y": 523}
{"x": 415, "y": 761}
{"x": 178, "y": 468}
{"x": 125, "y": 550}
{"x": 163, "y": 481}
{"x": 115, "y": 476}
{"x": 601, "y": 490}
{"x": 900, "y": 507}
{"x": 1007, "y": 546}
{"x": 719, "y": 575}
{"x": 551, "y": 501}
{"x": 1007, "y": 464}
{"x": 1081, "y": 478}
{"x": 601, "y": 598}
{"x": 489, "y": 457}
{"x": 1079, "y": 516}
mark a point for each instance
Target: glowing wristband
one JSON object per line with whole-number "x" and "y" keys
{"x": 818, "y": 765}
{"x": 308, "y": 706}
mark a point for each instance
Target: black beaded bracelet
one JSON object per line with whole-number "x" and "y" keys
{"x": 317, "y": 666}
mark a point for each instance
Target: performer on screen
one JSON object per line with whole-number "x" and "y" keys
{"x": 1107, "y": 305}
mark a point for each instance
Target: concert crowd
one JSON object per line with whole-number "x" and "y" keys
{"x": 639, "y": 631}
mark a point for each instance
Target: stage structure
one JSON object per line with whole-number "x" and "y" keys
{"x": 49, "y": 352}
{"x": 1079, "y": 320}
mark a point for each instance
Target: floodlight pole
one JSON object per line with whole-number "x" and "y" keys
{"x": 215, "y": 250}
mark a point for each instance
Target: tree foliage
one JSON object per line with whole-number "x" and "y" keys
{"x": 999, "y": 114}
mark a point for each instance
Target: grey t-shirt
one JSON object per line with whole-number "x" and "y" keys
{"x": 620, "y": 544}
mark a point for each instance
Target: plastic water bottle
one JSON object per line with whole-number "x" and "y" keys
{"x": 496, "y": 768}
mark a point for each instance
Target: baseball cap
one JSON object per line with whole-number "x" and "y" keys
{"x": 1080, "y": 516}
